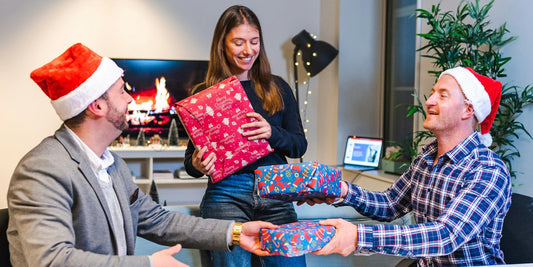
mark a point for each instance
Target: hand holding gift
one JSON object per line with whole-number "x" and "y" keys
{"x": 345, "y": 240}
{"x": 295, "y": 239}
{"x": 214, "y": 120}
{"x": 250, "y": 236}
{"x": 259, "y": 129}
{"x": 327, "y": 200}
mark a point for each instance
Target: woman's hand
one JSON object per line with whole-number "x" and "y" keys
{"x": 207, "y": 166}
{"x": 259, "y": 129}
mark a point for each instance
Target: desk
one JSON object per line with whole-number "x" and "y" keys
{"x": 373, "y": 180}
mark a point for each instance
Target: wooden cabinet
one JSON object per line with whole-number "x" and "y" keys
{"x": 163, "y": 166}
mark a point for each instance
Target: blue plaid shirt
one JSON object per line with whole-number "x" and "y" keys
{"x": 458, "y": 206}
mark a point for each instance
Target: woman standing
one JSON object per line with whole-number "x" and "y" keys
{"x": 237, "y": 49}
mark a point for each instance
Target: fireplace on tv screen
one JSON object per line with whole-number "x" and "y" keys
{"x": 155, "y": 86}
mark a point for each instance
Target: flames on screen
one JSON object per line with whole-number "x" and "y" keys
{"x": 144, "y": 109}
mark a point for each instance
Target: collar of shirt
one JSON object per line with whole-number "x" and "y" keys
{"x": 97, "y": 164}
{"x": 457, "y": 153}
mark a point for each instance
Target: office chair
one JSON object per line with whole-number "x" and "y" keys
{"x": 4, "y": 245}
{"x": 517, "y": 233}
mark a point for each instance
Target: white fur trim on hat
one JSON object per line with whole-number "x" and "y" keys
{"x": 473, "y": 90}
{"x": 95, "y": 86}
{"x": 485, "y": 139}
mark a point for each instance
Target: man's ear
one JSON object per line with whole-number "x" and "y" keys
{"x": 468, "y": 111}
{"x": 97, "y": 107}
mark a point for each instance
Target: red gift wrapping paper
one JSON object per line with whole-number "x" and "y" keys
{"x": 298, "y": 181}
{"x": 213, "y": 118}
{"x": 295, "y": 239}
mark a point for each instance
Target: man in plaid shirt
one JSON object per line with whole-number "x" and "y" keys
{"x": 458, "y": 190}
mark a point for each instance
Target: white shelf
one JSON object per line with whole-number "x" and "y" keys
{"x": 142, "y": 162}
{"x": 148, "y": 152}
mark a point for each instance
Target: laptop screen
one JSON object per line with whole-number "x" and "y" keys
{"x": 364, "y": 151}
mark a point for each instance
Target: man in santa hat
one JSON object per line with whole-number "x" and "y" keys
{"x": 458, "y": 190}
{"x": 73, "y": 203}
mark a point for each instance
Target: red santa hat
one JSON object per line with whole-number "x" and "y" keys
{"x": 484, "y": 93}
{"x": 75, "y": 79}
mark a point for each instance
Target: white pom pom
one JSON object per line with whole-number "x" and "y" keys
{"x": 486, "y": 139}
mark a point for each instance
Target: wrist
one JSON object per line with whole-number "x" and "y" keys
{"x": 236, "y": 233}
{"x": 344, "y": 189}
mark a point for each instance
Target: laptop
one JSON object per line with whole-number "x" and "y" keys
{"x": 362, "y": 153}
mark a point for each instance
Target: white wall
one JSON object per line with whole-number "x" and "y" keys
{"x": 517, "y": 15}
{"x": 361, "y": 57}
{"x": 33, "y": 32}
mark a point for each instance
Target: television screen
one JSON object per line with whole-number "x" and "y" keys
{"x": 156, "y": 85}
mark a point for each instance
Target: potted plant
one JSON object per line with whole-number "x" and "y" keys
{"x": 396, "y": 160}
{"x": 398, "y": 156}
{"x": 465, "y": 39}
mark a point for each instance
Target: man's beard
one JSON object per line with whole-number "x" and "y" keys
{"x": 117, "y": 118}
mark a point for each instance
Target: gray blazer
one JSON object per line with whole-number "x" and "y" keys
{"x": 58, "y": 213}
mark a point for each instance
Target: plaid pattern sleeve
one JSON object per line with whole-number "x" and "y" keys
{"x": 458, "y": 204}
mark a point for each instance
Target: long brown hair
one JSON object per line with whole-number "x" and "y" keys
{"x": 260, "y": 73}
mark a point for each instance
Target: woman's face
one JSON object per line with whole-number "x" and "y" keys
{"x": 241, "y": 46}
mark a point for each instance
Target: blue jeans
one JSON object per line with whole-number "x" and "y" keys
{"x": 235, "y": 198}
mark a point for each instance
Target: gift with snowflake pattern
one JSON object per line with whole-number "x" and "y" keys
{"x": 213, "y": 119}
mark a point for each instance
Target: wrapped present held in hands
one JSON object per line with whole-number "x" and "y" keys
{"x": 298, "y": 181}
{"x": 213, "y": 119}
{"x": 295, "y": 239}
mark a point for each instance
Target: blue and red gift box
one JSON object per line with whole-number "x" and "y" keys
{"x": 295, "y": 239}
{"x": 298, "y": 181}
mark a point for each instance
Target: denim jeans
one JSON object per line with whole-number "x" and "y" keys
{"x": 235, "y": 198}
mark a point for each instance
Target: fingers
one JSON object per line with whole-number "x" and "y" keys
{"x": 344, "y": 188}
{"x": 259, "y": 129}
{"x": 330, "y": 200}
{"x": 173, "y": 250}
{"x": 345, "y": 240}
{"x": 206, "y": 166}
{"x": 326, "y": 250}
{"x": 261, "y": 253}
{"x": 165, "y": 257}
{"x": 313, "y": 201}
{"x": 333, "y": 222}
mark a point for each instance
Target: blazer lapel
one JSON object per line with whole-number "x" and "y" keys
{"x": 78, "y": 156}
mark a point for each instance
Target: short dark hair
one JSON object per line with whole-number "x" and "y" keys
{"x": 80, "y": 118}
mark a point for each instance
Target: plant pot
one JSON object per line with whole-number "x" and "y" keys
{"x": 395, "y": 167}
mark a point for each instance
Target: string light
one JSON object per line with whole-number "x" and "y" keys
{"x": 303, "y": 110}
{"x": 314, "y": 60}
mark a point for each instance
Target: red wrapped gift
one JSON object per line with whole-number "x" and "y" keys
{"x": 295, "y": 239}
{"x": 298, "y": 181}
{"x": 213, "y": 118}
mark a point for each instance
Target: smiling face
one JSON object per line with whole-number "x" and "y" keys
{"x": 446, "y": 107}
{"x": 242, "y": 46}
